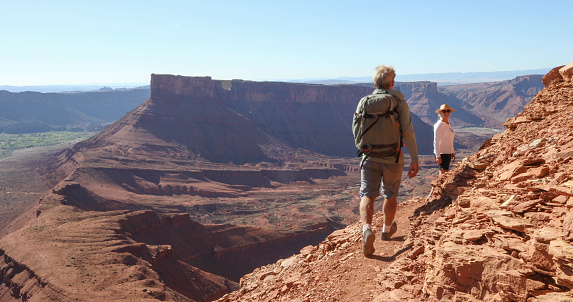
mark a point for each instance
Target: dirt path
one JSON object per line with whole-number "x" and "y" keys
{"x": 335, "y": 270}
{"x": 362, "y": 276}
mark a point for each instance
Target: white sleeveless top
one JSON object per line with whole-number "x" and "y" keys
{"x": 443, "y": 138}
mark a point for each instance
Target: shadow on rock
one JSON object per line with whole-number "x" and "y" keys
{"x": 434, "y": 205}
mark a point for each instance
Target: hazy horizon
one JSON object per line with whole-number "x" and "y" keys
{"x": 440, "y": 78}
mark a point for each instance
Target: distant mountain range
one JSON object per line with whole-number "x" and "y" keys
{"x": 440, "y": 78}
{"x": 74, "y": 88}
{"x": 28, "y": 112}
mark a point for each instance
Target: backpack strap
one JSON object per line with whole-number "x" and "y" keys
{"x": 368, "y": 152}
{"x": 370, "y": 126}
{"x": 399, "y": 147}
{"x": 385, "y": 114}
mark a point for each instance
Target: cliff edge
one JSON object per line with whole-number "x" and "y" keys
{"x": 498, "y": 227}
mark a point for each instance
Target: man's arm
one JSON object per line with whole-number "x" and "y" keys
{"x": 408, "y": 131}
{"x": 413, "y": 170}
{"x": 409, "y": 137}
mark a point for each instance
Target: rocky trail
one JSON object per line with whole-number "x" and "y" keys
{"x": 335, "y": 270}
{"x": 498, "y": 227}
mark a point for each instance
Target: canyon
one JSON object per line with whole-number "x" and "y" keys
{"x": 479, "y": 105}
{"x": 197, "y": 186}
{"x": 186, "y": 193}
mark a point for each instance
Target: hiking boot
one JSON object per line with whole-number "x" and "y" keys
{"x": 368, "y": 242}
{"x": 393, "y": 229}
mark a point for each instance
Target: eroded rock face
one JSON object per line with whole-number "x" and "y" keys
{"x": 558, "y": 74}
{"x": 424, "y": 99}
{"x": 498, "y": 227}
{"x": 520, "y": 180}
{"x": 63, "y": 258}
{"x": 495, "y": 102}
{"x": 311, "y": 117}
{"x": 129, "y": 255}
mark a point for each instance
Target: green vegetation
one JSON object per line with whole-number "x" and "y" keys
{"x": 20, "y": 141}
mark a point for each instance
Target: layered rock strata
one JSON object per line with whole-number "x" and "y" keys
{"x": 311, "y": 117}
{"x": 67, "y": 254}
{"x": 498, "y": 227}
{"x": 495, "y": 102}
{"x": 425, "y": 98}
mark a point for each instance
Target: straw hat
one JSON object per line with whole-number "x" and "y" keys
{"x": 445, "y": 107}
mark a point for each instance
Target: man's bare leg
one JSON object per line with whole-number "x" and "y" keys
{"x": 366, "y": 214}
{"x": 390, "y": 206}
{"x": 390, "y": 227}
{"x": 367, "y": 210}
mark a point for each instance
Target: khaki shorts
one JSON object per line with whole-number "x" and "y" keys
{"x": 373, "y": 174}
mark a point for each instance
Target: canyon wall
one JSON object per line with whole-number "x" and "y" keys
{"x": 496, "y": 101}
{"x": 201, "y": 88}
{"x": 425, "y": 99}
{"x": 231, "y": 182}
{"x": 226, "y": 250}
{"x": 486, "y": 104}
{"x": 195, "y": 145}
{"x": 313, "y": 117}
{"x": 91, "y": 255}
{"x": 131, "y": 255}
{"x": 27, "y": 112}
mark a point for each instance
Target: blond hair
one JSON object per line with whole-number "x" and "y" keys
{"x": 384, "y": 76}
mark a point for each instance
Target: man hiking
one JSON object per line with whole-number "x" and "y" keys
{"x": 381, "y": 122}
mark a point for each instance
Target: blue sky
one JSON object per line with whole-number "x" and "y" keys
{"x": 93, "y": 42}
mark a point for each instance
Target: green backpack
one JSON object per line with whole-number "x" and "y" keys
{"x": 376, "y": 126}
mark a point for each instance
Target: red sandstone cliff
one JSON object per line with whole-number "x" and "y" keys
{"x": 498, "y": 227}
{"x": 480, "y": 104}
{"x": 425, "y": 99}
{"x": 311, "y": 117}
{"x": 496, "y": 101}
{"x": 67, "y": 255}
{"x": 96, "y": 236}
